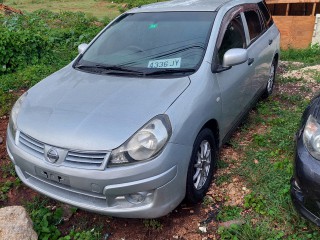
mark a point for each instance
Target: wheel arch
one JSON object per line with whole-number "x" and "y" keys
{"x": 213, "y": 125}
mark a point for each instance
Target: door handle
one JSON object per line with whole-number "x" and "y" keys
{"x": 270, "y": 41}
{"x": 250, "y": 61}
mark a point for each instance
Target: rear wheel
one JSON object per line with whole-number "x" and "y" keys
{"x": 271, "y": 79}
{"x": 201, "y": 167}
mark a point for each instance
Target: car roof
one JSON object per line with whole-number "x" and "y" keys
{"x": 182, "y": 5}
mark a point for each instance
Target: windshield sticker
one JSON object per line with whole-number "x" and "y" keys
{"x": 165, "y": 63}
{"x": 153, "y": 25}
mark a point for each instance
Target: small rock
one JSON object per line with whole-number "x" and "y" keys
{"x": 106, "y": 236}
{"x": 1, "y": 140}
{"x": 232, "y": 192}
{"x": 68, "y": 211}
{"x": 15, "y": 224}
{"x": 229, "y": 223}
{"x": 203, "y": 229}
{"x": 191, "y": 211}
{"x": 175, "y": 237}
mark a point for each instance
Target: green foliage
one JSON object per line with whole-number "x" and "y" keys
{"x": 19, "y": 45}
{"x": 82, "y": 235}
{"x": 228, "y": 233}
{"x": 39, "y": 36}
{"x": 152, "y": 224}
{"x": 4, "y": 189}
{"x": 228, "y": 213}
{"x": 207, "y": 201}
{"x": 46, "y": 221}
{"x": 6, "y": 101}
{"x": 8, "y": 170}
{"x": 6, "y": 186}
{"x": 256, "y": 202}
{"x": 310, "y": 55}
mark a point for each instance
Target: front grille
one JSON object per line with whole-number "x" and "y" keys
{"x": 86, "y": 159}
{"x": 31, "y": 145}
{"x": 74, "y": 158}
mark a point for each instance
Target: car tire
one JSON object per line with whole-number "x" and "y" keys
{"x": 201, "y": 167}
{"x": 271, "y": 79}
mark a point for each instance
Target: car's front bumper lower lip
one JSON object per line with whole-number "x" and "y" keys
{"x": 107, "y": 192}
{"x": 305, "y": 184}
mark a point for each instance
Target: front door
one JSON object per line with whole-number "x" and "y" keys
{"x": 234, "y": 83}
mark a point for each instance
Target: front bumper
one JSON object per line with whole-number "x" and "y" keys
{"x": 161, "y": 182}
{"x": 305, "y": 184}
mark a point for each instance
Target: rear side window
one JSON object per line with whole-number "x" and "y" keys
{"x": 266, "y": 14}
{"x": 254, "y": 24}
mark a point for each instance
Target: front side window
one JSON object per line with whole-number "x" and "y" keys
{"x": 149, "y": 41}
{"x": 234, "y": 37}
{"x": 254, "y": 24}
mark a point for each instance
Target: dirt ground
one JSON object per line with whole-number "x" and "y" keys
{"x": 186, "y": 221}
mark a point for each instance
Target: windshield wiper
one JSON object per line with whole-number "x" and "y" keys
{"x": 170, "y": 71}
{"x": 108, "y": 69}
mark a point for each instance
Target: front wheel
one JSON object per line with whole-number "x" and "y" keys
{"x": 271, "y": 79}
{"x": 201, "y": 166}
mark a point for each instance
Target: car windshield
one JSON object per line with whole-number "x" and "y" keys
{"x": 150, "y": 43}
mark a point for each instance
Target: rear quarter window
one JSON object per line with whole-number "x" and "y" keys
{"x": 266, "y": 14}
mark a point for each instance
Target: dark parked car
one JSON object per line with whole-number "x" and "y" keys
{"x": 305, "y": 184}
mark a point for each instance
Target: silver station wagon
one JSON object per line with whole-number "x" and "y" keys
{"x": 134, "y": 124}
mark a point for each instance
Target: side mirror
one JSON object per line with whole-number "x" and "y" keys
{"x": 82, "y": 47}
{"x": 235, "y": 57}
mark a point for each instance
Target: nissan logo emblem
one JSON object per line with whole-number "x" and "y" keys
{"x": 53, "y": 155}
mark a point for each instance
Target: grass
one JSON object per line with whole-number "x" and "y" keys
{"x": 266, "y": 168}
{"x": 100, "y": 9}
{"x": 309, "y": 56}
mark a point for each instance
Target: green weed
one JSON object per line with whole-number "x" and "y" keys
{"x": 207, "y": 201}
{"x": 228, "y": 213}
{"x": 309, "y": 56}
{"x": 47, "y": 221}
{"x": 152, "y": 224}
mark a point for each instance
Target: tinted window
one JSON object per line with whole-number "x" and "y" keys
{"x": 146, "y": 40}
{"x": 234, "y": 37}
{"x": 266, "y": 14}
{"x": 254, "y": 24}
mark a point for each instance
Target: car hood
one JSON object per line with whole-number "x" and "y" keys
{"x": 77, "y": 110}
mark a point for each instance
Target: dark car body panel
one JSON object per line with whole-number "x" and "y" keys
{"x": 305, "y": 184}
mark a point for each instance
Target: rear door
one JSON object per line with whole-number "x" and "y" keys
{"x": 259, "y": 47}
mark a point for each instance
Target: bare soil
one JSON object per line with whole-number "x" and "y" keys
{"x": 186, "y": 221}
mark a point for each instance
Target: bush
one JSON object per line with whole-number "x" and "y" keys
{"x": 40, "y": 36}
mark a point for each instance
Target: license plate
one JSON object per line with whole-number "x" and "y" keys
{"x": 53, "y": 176}
{"x": 165, "y": 63}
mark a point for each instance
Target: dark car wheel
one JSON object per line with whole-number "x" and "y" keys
{"x": 271, "y": 79}
{"x": 201, "y": 167}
